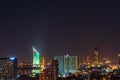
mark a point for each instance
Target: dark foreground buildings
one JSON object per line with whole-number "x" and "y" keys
{"x": 8, "y": 68}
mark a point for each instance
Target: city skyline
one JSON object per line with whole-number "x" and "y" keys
{"x": 59, "y": 27}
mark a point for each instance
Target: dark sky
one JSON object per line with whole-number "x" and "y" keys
{"x": 58, "y": 27}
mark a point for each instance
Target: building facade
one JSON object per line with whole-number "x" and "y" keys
{"x": 96, "y": 56}
{"x": 8, "y": 68}
{"x": 50, "y": 73}
{"x": 36, "y": 60}
{"x": 67, "y": 64}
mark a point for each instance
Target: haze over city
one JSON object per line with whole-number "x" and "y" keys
{"x": 59, "y": 27}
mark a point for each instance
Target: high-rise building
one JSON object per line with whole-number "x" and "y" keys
{"x": 42, "y": 63}
{"x": 96, "y": 56}
{"x": 83, "y": 60}
{"x": 61, "y": 64}
{"x": 55, "y": 69}
{"x": 36, "y": 60}
{"x": 8, "y": 68}
{"x": 67, "y": 64}
{"x": 119, "y": 59}
{"x": 88, "y": 60}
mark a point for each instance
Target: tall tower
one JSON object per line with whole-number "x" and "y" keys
{"x": 36, "y": 60}
{"x": 42, "y": 63}
{"x": 96, "y": 54}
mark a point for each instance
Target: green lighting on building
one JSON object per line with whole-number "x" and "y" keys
{"x": 36, "y": 60}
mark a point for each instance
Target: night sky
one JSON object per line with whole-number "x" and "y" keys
{"x": 59, "y": 27}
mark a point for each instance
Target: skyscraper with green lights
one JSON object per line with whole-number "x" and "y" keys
{"x": 36, "y": 60}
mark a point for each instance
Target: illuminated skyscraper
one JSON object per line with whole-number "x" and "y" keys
{"x": 96, "y": 54}
{"x": 36, "y": 60}
{"x": 42, "y": 63}
{"x": 67, "y": 64}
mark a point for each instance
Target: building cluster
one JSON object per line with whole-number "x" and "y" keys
{"x": 8, "y": 68}
{"x": 60, "y": 66}
{"x": 51, "y": 72}
{"x": 71, "y": 64}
